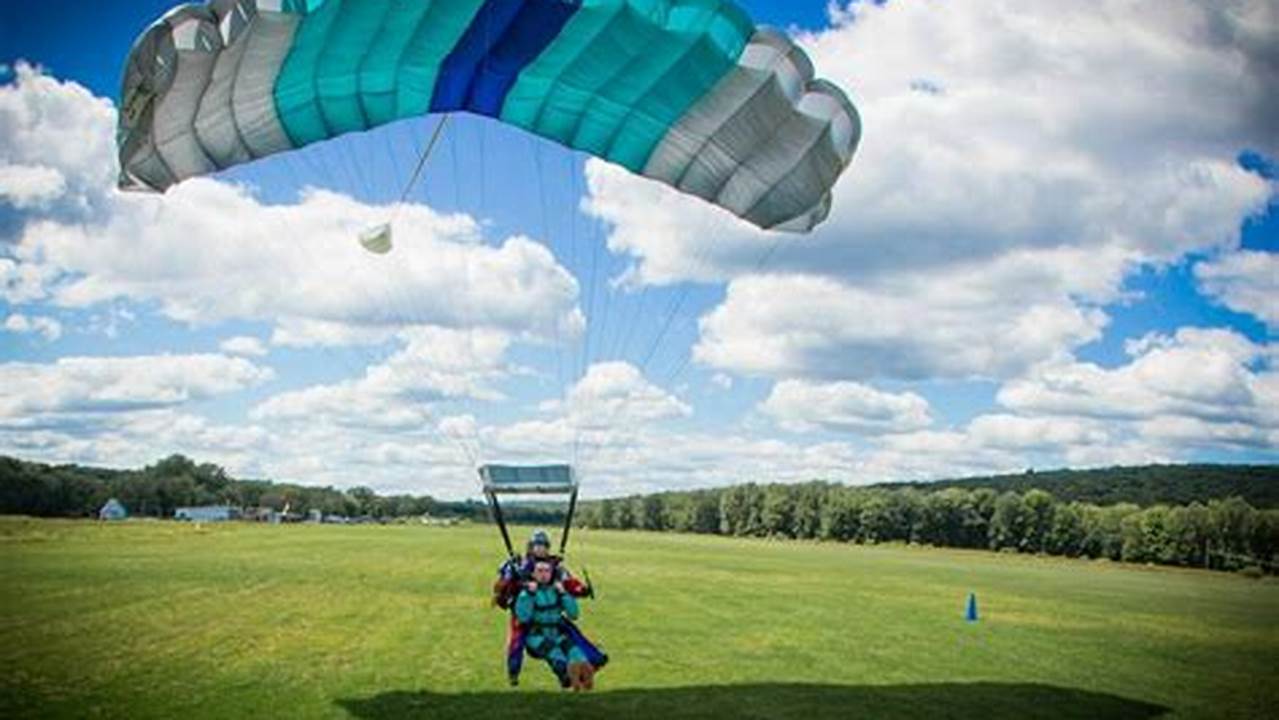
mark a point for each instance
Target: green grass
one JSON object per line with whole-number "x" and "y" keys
{"x": 166, "y": 620}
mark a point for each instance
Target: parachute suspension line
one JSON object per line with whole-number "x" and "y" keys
{"x": 421, "y": 165}
{"x": 467, "y": 405}
{"x": 402, "y": 303}
{"x": 591, "y": 331}
{"x": 355, "y": 359}
{"x": 398, "y": 301}
{"x": 676, "y": 303}
{"x": 483, "y": 185}
{"x": 535, "y": 147}
{"x": 414, "y": 294}
{"x": 455, "y": 437}
{"x": 294, "y": 180}
{"x": 764, "y": 259}
{"x": 598, "y": 240}
{"x": 332, "y": 164}
{"x": 392, "y": 158}
{"x": 575, "y": 172}
{"x": 457, "y": 193}
{"x": 622, "y": 340}
{"x": 673, "y": 308}
{"x": 306, "y": 156}
{"x": 339, "y": 146}
{"x": 344, "y": 143}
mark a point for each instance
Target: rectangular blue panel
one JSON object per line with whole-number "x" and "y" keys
{"x": 536, "y": 25}
{"x": 453, "y": 87}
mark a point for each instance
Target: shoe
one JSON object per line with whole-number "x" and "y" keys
{"x": 582, "y": 676}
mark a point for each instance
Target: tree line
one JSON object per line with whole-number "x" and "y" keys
{"x": 1140, "y": 484}
{"x": 1216, "y": 527}
{"x": 1221, "y": 533}
{"x": 41, "y": 490}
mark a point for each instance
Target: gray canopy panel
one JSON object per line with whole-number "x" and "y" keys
{"x": 528, "y": 479}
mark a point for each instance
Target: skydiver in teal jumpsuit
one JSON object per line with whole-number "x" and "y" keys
{"x": 541, "y": 609}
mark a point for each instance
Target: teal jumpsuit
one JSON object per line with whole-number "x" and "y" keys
{"x": 541, "y": 611}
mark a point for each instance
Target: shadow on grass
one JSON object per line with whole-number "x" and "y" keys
{"x": 781, "y": 700}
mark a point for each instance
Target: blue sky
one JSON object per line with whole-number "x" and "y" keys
{"x": 1019, "y": 271}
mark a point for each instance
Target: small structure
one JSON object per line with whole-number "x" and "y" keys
{"x": 113, "y": 510}
{"x": 207, "y": 513}
{"x": 314, "y": 515}
{"x": 264, "y": 515}
{"x": 428, "y": 519}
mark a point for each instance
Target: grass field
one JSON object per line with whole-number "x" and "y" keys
{"x": 166, "y": 620}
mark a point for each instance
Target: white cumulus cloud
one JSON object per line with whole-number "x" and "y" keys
{"x": 845, "y": 407}
{"x": 246, "y": 345}
{"x": 979, "y": 320}
{"x": 1212, "y": 386}
{"x": 432, "y": 365}
{"x": 1245, "y": 281}
{"x": 119, "y": 384}
{"x": 48, "y": 328}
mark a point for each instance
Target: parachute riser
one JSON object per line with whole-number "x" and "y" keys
{"x": 547, "y": 480}
{"x": 495, "y": 509}
{"x": 568, "y": 522}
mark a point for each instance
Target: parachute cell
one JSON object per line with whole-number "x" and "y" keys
{"x": 686, "y": 92}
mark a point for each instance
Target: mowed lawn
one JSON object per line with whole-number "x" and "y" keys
{"x": 158, "y": 619}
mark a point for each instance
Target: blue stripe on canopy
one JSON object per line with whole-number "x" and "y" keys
{"x": 538, "y": 23}
{"x": 504, "y": 36}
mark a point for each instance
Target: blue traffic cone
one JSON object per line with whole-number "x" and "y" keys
{"x": 971, "y": 614}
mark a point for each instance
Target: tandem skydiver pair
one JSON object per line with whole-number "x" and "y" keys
{"x": 541, "y": 595}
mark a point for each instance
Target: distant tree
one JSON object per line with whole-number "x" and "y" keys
{"x": 1188, "y": 530}
{"x": 624, "y": 514}
{"x": 652, "y": 513}
{"x": 363, "y": 499}
{"x": 879, "y": 520}
{"x": 1066, "y": 533}
{"x": 1039, "y": 516}
{"x": 807, "y": 519}
{"x": 740, "y": 510}
{"x": 1009, "y": 523}
{"x": 213, "y": 483}
{"x": 841, "y": 515}
{"x": 1145, "y": 535}
{"x": 1103, "y": 533}
{"x": 777, "y": 511}
{"x": 943, "y": 518}
{"x": 1265, "y": 538}
{"x": 705, "y": 512}
{"x": 678, "y": 512}
{"x": 608, "y": 514}
{"x": 1232, "y": 521}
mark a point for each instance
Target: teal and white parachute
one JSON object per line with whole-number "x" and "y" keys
{"x": 687, "y": 92}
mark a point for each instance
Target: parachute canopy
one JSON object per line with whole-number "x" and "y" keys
{"x": 687, "y": 92}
